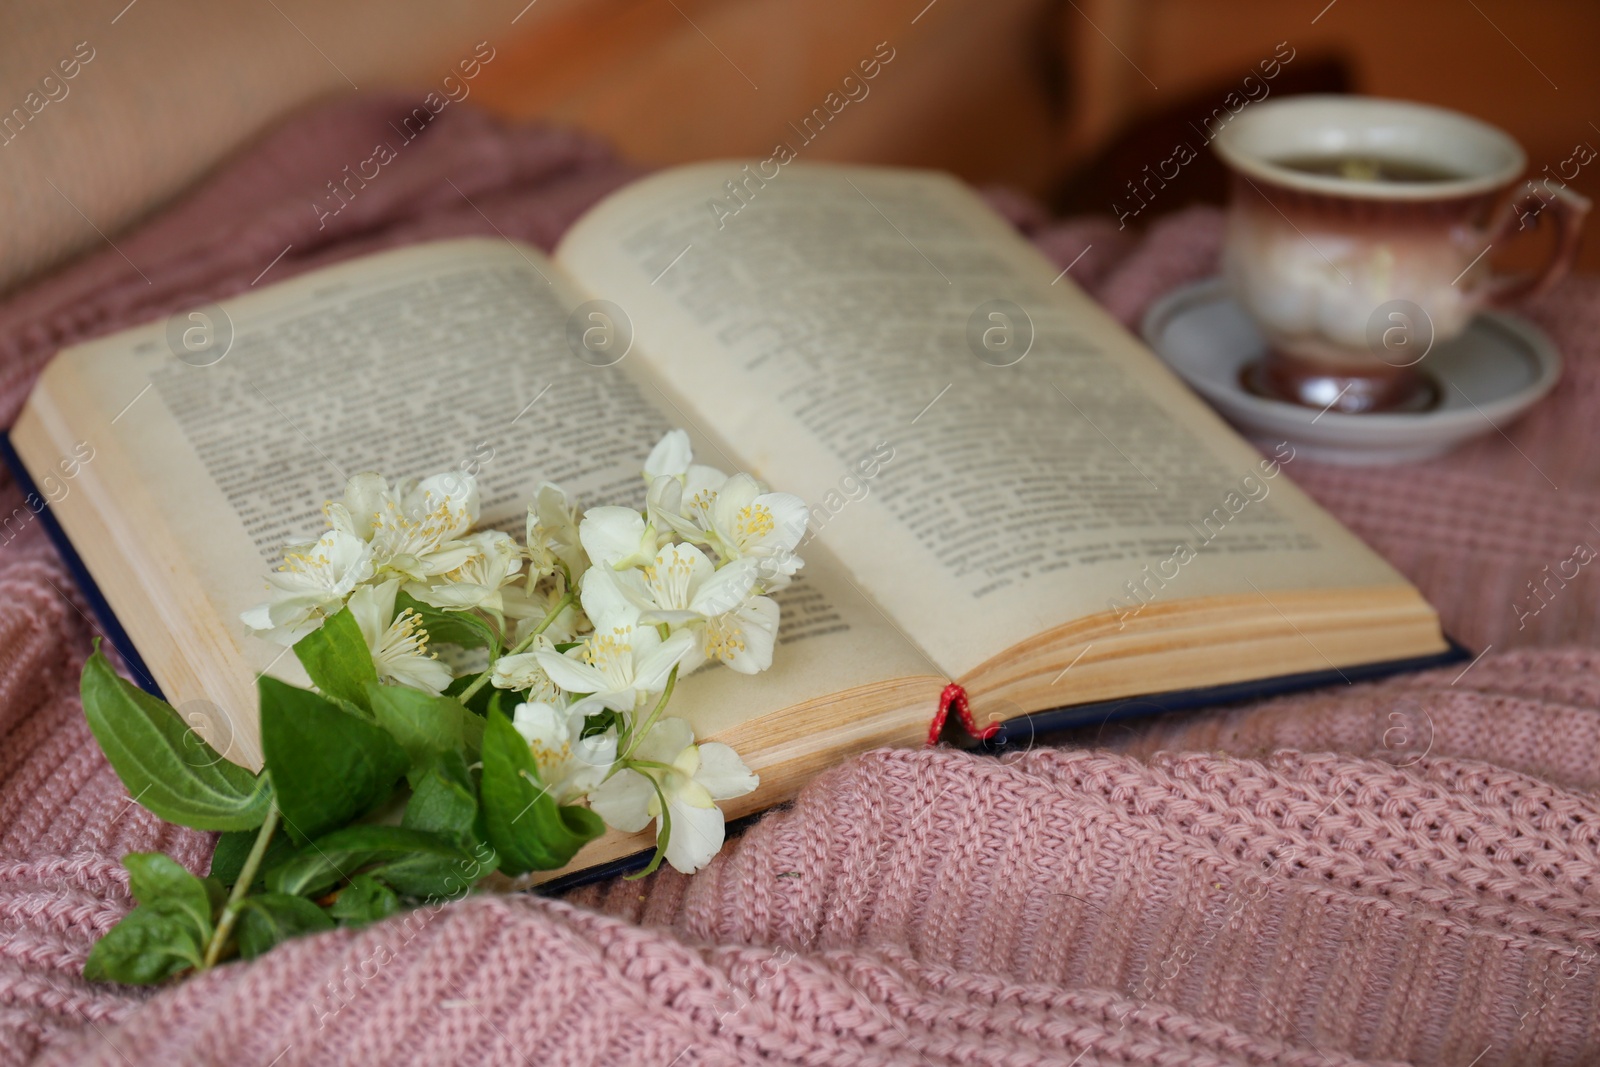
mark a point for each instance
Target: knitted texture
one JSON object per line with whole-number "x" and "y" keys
{"x": 1396, "y": 872}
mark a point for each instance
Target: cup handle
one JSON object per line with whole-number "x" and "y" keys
{"x": 1520, "y": 212}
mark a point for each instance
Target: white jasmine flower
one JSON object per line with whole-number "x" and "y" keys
{"x": 693, "y": 778}
{"x": 415, "y": 528}
{"x": 365, "y": 496}
{"x": 730, "y": 622}
{"x": 617, "y": 538}
{"x": 744, "y": 637}
{"x": 683, "y": 505}
{"x": 553, "y": 536}
{"x": 662, "y": 591}
{"x": 570, "y": 764}
{"x": 312, "y": 584}
{"x": 681, "y": 491}
{"x": 746, "y": 523}
{"x": 679, "y": 585}
{"x": 522, "y": 673}
{"x": 622, "y": 661}
{"x": 672, "y": 458}
{"x": 398, "y": 643}
{"x": 493, "y": 559}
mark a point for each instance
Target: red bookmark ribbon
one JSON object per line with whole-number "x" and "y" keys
{"x": 955, "y": 697}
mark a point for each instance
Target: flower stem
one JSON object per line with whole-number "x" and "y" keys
{"x": 663, "y": 832}
{"x": 247, "y": 874}
{"x": 655, "y": 765}
{"x": 522, "y": 646}
{"x": 655, "y": 713}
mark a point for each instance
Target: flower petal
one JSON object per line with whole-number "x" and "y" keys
{"x": 651, "y": 668}
{"x": 758, "y": 629}
{"x": 451, "y": 596}
{"x": 697, "y": 835}
{"x": 455, "y": 490}
{"x": 666, "y": 741}
{"x": 258, "y": 617}
{"x": 790, "y": 517}
{"x": 614, "y": 537}
{"x": 723, "y": 773}
{"x": 519, "y": 673}
{"x": 664, "y": 504}
{"x": 623, "y": 801}
{"x": 365, "y": 496}
{"x": 736, "y": 494}
{"x": 671, "y": 456}
{"x": 701, "y": 485}
{"x": 570, "y": 674}
{"x": 726, "y": 590}
{"x": 541, "y": 725}
{"x": 418, "y": 672}
{"x": 701, "y": 478}
{"x": 373, "y": 608}
{"x": 553, "y": 508}
{"x": 606, "y": 602}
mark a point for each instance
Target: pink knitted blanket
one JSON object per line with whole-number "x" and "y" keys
{"x": 1407, "y": 871}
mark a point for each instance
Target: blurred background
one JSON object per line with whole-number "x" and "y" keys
{"x": 1067, "y": 99}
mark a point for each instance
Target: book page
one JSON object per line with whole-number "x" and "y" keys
{"x": 449, "y": 356}
{"x": 983, "y": 447}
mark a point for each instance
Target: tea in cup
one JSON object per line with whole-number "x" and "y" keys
{"x": 1359, "y": 234}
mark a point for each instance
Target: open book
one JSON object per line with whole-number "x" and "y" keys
{"x": 1007, "y": 490}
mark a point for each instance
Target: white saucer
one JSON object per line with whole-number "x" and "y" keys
{"x": 1494, "y": 371}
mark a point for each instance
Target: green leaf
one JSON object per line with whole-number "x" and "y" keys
{"x": 327, "y": 766}
{"x": 336, "y": 857}
{"x": 426, "y": 726}
{"x": 364, "y": 900}
{"x": 165, "y": 765}
{"x": 152, "y": 942}
{"x": 527, "y": 828}
{"x": 434, "y": 878}
{"x": 153, "y": 876}
{"x": 478, "y": 703}
{"x": 233, "y": 848}
{"x": 451, "y": 627}
{"x": 272, "y": 918}
{"x": 443, "y": 801}
{"x": 336, "y": 657}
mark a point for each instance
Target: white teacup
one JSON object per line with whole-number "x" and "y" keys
{"x": 1358, "y": 236}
